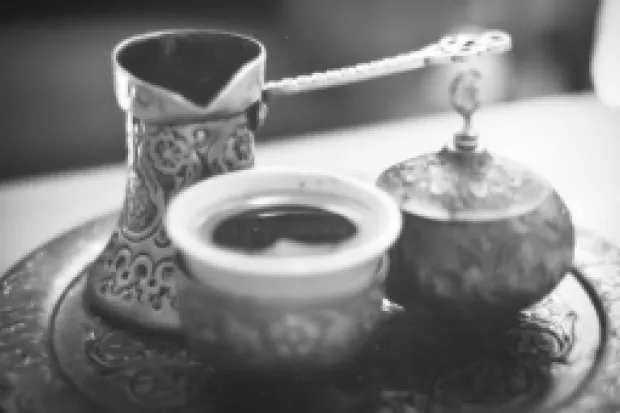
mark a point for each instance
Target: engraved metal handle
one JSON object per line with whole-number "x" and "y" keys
{"x": 457, "y": 48}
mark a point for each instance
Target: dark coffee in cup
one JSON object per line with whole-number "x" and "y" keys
{"x": 285, "y": 225}
{"x": 282, "y": 230}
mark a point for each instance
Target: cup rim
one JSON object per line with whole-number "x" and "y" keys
{"x": 188, "y": 243}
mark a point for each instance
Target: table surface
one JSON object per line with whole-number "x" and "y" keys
{"x": 573, "y": 140}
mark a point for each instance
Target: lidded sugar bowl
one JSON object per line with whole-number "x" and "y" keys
{"x": 483, "y": 237}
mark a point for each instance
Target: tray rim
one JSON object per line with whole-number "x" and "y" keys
{"x": 602, "y": 349}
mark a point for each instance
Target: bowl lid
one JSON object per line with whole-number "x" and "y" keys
{"x": 464, "y": 182}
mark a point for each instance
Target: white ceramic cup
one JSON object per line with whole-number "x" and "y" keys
{"x": 266, "y": 311}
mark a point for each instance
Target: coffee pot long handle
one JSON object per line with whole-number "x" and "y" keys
{"x": 456, "y": 48}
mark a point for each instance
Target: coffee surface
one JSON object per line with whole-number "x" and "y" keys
{"x": 282, "y": 230}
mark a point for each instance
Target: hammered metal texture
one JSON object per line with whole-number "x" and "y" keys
{"x": 477, "y": 273}
{"x": 460, "y": 186}
{"x": 102, "y": 367}
{"x": 29, "y": 292}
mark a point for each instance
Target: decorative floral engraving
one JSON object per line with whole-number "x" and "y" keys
{"x": 153, "y": 375}
{"x": 239, "y": 150}
{"x": 435, "y": 181}
{"x": 139, "y": 279}
{"x": 28, "y": 379}
{"x": 496, "y": 374}
{"x": 294, "y": 335}
{"x": 168, "y": 151}
{"x": 164, "y": 159}
{"x": 232, "y": 153}
{"x": 520, "y": 366}
{"x": 340, "y": 328}
{"x": 140, "y": 211}
{"x": 260, "y": 332}
{"x": 122, "y": 370}
{"x": 161, "y": 238}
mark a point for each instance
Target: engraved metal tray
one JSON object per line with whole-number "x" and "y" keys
{"x": 57, "y": 357}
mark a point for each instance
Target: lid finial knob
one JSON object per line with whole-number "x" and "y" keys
{"x": 464, "y": 97}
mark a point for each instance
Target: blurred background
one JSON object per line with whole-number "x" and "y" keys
{"x": 58, "y": 111}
